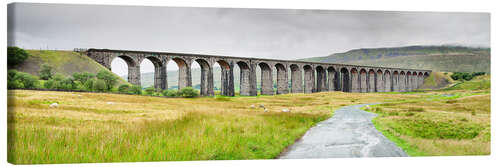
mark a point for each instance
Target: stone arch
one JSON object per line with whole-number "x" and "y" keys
{"x": 420, "y": 79}
{"x": 245, "y": 88}
{"x": 409, "y": 86}
{"x": 332, "y": 79}
{"x": 227, "y": 78}
{"x": 355, "y": 83}
{"x": 346, "y": 87}
{"x": 160, "y": 72}
{"x": 371, "y": 81}
{"x": 206, "y": 81}
{"x": 134, "y": 73}
{"x": 395, "y": 83}
{"x": 296, "y": 79}
{"x": 379, "y": 81}
{"x": 281, "y": 78}
{"x": 387, "y": 81}
{"x": 320, "y": 79}
{"x": 308, "y": 79}
{"x": 402, "y": 81}
{"x": 363, "y": 81}
{"x": 184, "y": 72}
{"x": 266, "y": 79}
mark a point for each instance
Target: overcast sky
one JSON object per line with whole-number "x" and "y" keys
{"x": 264, "y": 33}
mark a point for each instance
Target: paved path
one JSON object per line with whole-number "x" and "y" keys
{"x": 349, "y": 133}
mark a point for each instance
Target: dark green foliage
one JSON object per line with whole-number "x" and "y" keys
{"x": 150, "y": 90}
{"x": 82, "y": 77}
{"x": 100, "y": 85}
{"x": 17, "y": 79}
{"x": 124, "y": 88}
{"x": 16, "y": 55}
{"x": 170, "y": 93}
{"x": 109, "y": 78}
{"x": 478, "y": 74}
{"x": 135, "y": 89}
{"x": 188, "y": 92}
{"x": 61, "y": 82}
{"x": 461, "y": 76}
{"x": 46, "y": 72}
{"x": 89, "y": 84}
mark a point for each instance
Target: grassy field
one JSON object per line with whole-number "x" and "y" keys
{"x": 455, "y": 121}
{"x": 100, "y": 127}
{"x": 86, "y": 128}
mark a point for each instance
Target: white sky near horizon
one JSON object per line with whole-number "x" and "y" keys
{"x": 264, "y": 33}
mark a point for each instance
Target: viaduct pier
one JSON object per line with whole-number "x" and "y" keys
{"x": 305, "y": 77}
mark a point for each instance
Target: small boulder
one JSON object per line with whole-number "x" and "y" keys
{"x": 265, "y": 110}
{"x": 252, "y": 106}
{"x": 110, "y": 102}
{"x": 54, "y": 105}
{"x": 262, "y": 106}
{"x": 285, "y": 110}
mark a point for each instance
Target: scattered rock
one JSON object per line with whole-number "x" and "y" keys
{"x": 265, "y": 110}
{"x": 252, "y": 106}
{"x": 285, "y": 110}
{"x": 262, "y": 106}
{"x": 54, "y": 105}
{"x": 110, "y": 102}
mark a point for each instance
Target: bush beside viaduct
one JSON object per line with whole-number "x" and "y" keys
{"x": 306, "y": 77}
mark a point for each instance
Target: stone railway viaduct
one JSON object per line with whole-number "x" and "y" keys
{"x": 306, "y": 77}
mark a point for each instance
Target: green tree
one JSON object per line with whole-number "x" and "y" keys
{"x": 46, "y": 72}
{"x": 150, "y": 90}
{"x": 100, "y": 85}
{"x": 136, "y": 89}
{"x": 82, "y": 77}
{"x": 16, "y": 55}
{"x": 170, "y": 93}
{"x": 188, "y": 92}
{"x": 89, "y": 84}
{"x": 17, "y": 79}
{"x": 108, "y": 77}
{"x": 124, "y": 88}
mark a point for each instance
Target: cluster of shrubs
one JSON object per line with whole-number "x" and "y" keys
{"x": 103, "y": 81}
{"x": 465, "y": 76}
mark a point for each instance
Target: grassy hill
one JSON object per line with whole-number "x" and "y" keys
{"x": 64, "y": 62}
{"x": 436, "y": 58}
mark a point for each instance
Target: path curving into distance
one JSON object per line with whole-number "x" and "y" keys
{"x": 349, "y": 133}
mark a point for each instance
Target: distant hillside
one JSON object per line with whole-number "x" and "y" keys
{"x": 64, "y": 62}
{"x": 436, "y": 58}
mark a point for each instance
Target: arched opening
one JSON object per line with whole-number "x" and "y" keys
{"x": 420, "y": 79}
{"x": 380, "y": 81}
{"x": 205, "y": 80}
{"x": 402, "y": 81}
{"x": 409, "y": 86}
{"x": 225, "y": 86}
{"x": 308, "y": 79}
{"x": 371, "y": 81}
{"x": 126, "y": 67}
{"x": 320, "y": 79}
{"x": 355, "y": 80}
{"x": 332, "y": 78}
{"x": 363, "y": 81}
{"x": 387, "y": 81}
{"x": 281, "y": 79}
{"x": 346, "y": 87}
{"x": 266, "y": 79}
{"x": 245, "y": 89}
{"x": 395, "y": 83}
{"x": 296, "y": 79}
{"x": 184, "y": 73}
{"x": 153, "y": 73}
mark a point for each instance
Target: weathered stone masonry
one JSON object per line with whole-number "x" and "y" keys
{"x": 306, "y": 77}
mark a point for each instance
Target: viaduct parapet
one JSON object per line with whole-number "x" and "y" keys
{"x": 305, "y": 77}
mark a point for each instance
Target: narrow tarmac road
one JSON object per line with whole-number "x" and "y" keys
{"x": 349, "y": 133}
